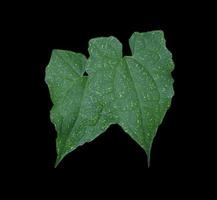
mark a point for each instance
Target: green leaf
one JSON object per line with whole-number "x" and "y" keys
{"x": 132, "y": 91}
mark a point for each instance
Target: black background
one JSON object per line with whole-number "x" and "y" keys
{"x": 113, "y": 156}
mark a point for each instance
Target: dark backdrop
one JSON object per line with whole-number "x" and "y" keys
{"x": 113, "y": 155}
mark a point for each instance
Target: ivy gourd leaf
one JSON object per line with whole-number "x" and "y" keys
{"x": 132, "y": 91}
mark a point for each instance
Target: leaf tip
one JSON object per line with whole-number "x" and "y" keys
{"x": 58, "y": 160}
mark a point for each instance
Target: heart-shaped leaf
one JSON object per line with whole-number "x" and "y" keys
{"x": 132, "y": 91}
